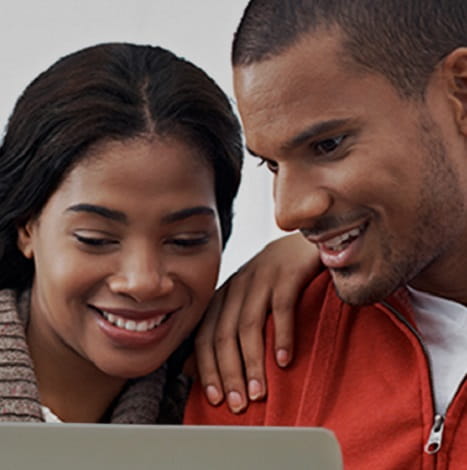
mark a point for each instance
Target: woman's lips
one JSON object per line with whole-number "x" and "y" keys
{"x": 135, "y": 321}
{"x": 131, "y": 331}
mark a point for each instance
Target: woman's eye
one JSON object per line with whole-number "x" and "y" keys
{"x": 270, "y": 164}
{"x": 93, "y": 241}
{"x": 190, "y": 242}
{"x": 326, "y": 146}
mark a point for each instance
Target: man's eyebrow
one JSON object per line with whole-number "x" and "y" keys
{"x": 308, "y": 134}
{"x": 314, "y": 131}
{"x": 99, "y": 210}
{"x": 186, "y": 213}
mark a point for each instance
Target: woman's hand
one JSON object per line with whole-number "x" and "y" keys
{"x": 230, "y": 345}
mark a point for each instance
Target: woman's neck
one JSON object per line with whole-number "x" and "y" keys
{"x": 70, "y": 385}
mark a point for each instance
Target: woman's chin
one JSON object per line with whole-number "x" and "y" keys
{"x": 127, "y": 371}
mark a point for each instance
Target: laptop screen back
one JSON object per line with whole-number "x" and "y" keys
{"x": 128, "y": 447}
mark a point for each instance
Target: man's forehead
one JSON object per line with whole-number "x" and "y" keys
{"x": 292, "y": 91}
{"x": 308, "y": 56}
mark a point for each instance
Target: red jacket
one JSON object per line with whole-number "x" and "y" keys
{"x": 362, "y": 372}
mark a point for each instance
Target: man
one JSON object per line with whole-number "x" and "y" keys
{"x": 359, "y": 109}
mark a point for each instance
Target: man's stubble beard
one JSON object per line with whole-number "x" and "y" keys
{"x": 440, "y": 206}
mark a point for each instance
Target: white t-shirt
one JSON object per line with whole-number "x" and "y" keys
{"x": 442, "y": 324}
{"x": 49, "y": 416}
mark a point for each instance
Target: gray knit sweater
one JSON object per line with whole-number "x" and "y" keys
{"x": 156, "y": 398}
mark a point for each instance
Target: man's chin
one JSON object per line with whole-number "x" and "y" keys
{"x": 354, "y": 291}
{"x": 355, "y": 298}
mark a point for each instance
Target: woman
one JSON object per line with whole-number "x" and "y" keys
{"x": 118, "y": 171}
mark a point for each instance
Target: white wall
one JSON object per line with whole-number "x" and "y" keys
{"x": 33, "y": 34}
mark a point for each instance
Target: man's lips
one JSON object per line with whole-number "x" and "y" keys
{"x": 340, "y": 248}
{"x": 335, "y": 238}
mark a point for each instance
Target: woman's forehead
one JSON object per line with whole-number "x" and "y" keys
{"x": 142, "y": 171}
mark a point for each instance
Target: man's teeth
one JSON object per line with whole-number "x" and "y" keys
{"x": 339, "y": 242}
{"x": 133, "y": 325}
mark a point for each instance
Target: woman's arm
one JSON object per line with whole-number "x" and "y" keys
{"x": 229, "y": 345}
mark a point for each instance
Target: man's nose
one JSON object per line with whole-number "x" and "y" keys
{"x": 143, "y": 276}
{"x": 299, "y": 198}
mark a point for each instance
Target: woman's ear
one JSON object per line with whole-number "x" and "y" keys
{"x": 25, "y": 240}
{"x": 455, "y": 69}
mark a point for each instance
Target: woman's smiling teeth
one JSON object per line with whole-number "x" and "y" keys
{"x": 133, "y": 325}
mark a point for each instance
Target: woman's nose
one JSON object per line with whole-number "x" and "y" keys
{"x": 143, "y": 276}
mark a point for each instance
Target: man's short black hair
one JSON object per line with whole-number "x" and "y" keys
{"x": 401, "y": 39}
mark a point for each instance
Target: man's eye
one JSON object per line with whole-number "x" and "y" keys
{"x": 92, "y": 241}
{"x": 326, "y": 146}
{"x": 270, "y": 164}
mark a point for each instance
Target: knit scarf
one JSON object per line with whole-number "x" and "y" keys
{"x": 139, "y": 402}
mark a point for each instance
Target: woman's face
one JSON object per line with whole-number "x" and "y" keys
{"x": 126, "y": 255}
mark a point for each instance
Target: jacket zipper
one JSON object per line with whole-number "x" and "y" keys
{"x": 435, "y": 439}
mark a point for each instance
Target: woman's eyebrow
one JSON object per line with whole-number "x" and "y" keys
{"x": 99, "y": 210}
{"x": 186, "y": 213}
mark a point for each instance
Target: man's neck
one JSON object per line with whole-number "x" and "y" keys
{"x": 446, "y": 278}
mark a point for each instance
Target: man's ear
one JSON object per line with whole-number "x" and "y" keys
{"x": 25, "y": 240}
{"x": 455, "y": 69}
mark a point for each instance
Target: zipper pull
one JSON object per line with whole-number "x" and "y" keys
{"x": 436, "y": 436}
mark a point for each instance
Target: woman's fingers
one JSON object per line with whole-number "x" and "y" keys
{"x": 217, "y": 342}
{"x": 230, "y": 344}
{"x": 284, "y": 301}
{"x": 252, "y": 318}
{"x": 205, "y": 351}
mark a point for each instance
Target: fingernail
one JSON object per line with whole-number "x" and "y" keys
{"x": 254, "y": 389}
{"x": 235, "y": 401}
{"x": 282, "y": 357}
{"x": 213, "y": 394}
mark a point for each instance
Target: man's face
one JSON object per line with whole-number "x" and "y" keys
{"x": 368, "y": 176}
